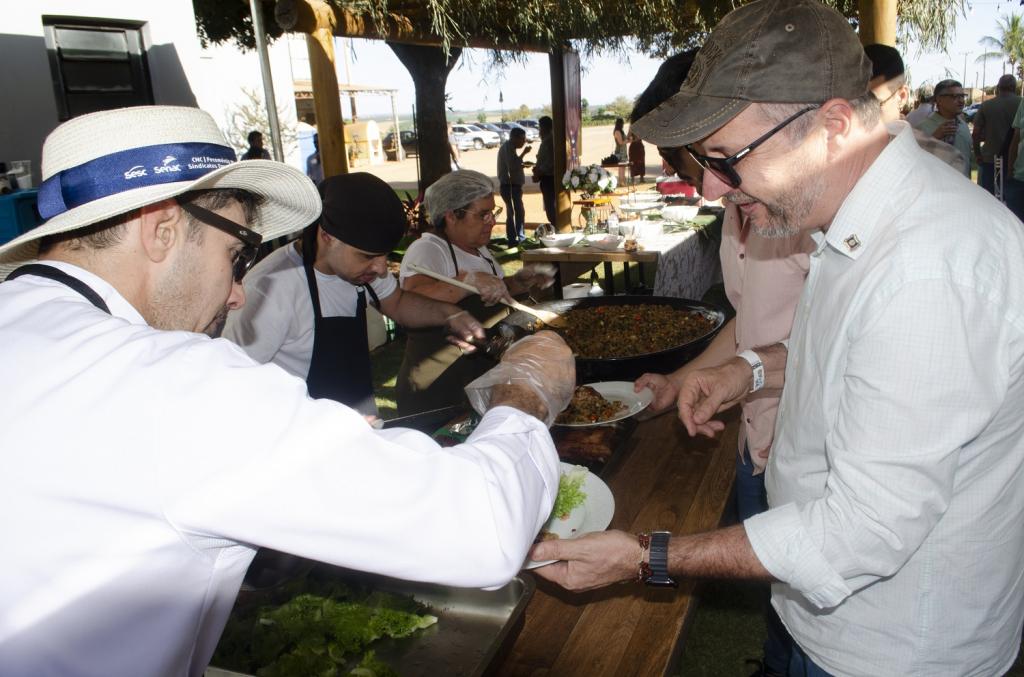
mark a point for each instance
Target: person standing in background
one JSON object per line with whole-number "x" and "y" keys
{"x": 923, "y": 105}
{"x": 256, "y": 151}
{"x": 620, "y": 140}
{"x": 544, "y": 170}
{"x": 511, "y": 179}
{"x": 315, "y": 168}
{"x": 637, "y": 157}
{"x": 453, "y": 147}
{"x": 945, "y": 123}
{"x": 993, "y": 131}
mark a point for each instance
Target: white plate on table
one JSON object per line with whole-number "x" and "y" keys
{"x": 639, "y": 206}
{"x": 599, "y": 508}
{"x": 617, "y": 391}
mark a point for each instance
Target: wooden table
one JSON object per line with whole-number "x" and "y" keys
{"x": 663, "y": 480}
{"x": 571, "y": 262}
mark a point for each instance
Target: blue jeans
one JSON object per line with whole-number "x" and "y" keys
{"x": 987, "y": 176}
{"x": 801, "y": 665}
{"x": 515, "y": 221}
{"x": 752, "y": 499}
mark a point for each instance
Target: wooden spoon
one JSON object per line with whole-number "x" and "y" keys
{"x": 545, "y": 316}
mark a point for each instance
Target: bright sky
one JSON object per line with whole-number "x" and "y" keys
{"x": 472, "y": 86}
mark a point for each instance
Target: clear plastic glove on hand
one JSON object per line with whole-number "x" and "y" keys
{"x": 540, "y": 275}
{"x": 492, "y": 288}
{"x": 542, "y": 362}
{"x": 462, "y": 328}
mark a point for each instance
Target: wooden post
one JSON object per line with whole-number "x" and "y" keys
{"x": 326, "y": 101}
{"x": 563, "y": 200}
{"x": 877, "y": 22}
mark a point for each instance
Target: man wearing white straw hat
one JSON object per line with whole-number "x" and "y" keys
{"x": 143, "y": 462}
{"x": 896, "y": 477}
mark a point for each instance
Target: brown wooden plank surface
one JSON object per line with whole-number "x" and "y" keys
{"x": 666, "y": 481}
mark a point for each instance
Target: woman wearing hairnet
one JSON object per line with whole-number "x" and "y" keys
{"x": 460, "y": 208}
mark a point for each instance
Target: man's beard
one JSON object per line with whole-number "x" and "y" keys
{"x": 789, "y": 212}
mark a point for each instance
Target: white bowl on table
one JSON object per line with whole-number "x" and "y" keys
{"x": 606, "y": 243}
{"x": 560, "y": 239}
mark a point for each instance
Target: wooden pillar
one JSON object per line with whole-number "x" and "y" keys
{"x": 877, "y": 22}
{"x": 563, "y": 199}
{"x": 326, "y": 102}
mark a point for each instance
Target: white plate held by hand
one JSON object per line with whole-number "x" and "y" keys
{"x": 598, "y": 509}
{"x": 621, "y": 392}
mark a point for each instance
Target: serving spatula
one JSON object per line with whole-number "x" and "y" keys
{"x": 545, "y": 316}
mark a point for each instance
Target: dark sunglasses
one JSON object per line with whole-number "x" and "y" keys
{"x": 723, "y": 167}
{"x": 246, "y": 256}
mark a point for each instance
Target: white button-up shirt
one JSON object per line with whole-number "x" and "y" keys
{"x": 142, "y": 467}
{"x": 896, "y": 480}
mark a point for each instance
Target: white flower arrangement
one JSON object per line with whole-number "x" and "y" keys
{"x": 591, "y": 179}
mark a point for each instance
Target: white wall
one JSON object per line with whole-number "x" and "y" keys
{"x": 181, "y": 72}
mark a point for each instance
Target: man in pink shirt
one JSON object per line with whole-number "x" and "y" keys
{"x": 763, "y": 277}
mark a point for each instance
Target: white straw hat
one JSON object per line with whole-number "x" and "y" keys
{"x": 103, "y": 164}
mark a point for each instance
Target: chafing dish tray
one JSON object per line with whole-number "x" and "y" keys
{"x": 474, "y": 626}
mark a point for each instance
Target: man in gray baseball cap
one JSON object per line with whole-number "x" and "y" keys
{"x": 895, "y": 480}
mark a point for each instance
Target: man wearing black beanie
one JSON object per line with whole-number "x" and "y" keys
{"x": 306, "y": 303}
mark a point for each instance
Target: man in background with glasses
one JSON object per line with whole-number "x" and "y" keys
{"x": 896, "y": 479}
{"x": 945, "y": 123}
{"x": 889, "y": 85}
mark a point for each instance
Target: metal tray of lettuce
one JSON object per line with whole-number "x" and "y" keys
{"x": 474, "y": 629}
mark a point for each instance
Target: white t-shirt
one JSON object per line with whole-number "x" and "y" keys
{"x": 276, "y": 322}
{"x": 432, "y": 252}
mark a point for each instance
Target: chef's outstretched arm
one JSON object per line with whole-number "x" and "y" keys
{"x": 413, "y": 310}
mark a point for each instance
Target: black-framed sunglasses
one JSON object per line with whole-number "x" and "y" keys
{"x": 724, "y": 167}
{"x": 246, "y": 256}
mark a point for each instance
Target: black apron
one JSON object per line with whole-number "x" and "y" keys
{"x": 434, "y": 372}
{"x": 340, "y": 366}
{"x": 58, "y": 275}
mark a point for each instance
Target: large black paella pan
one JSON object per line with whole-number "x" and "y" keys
{"x": 626, "y": 368}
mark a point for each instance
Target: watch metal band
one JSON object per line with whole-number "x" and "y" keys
{"x": 659, "y": 560}
{"x": 757, "y": 366}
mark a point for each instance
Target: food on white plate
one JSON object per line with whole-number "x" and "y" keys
{"x": 570, "y": 506}
{"x": 589, "y": 406}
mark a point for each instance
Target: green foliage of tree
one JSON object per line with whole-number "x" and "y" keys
{"x": 656, "y": 27}
{"x": 546, "y": 109}
{"x": 1008, "y": 42}
{"x": 481, "y": 117}
{"x": 584, "y": 108}
{"x": 620, "y": 107}
{"x": 523, "y": 112}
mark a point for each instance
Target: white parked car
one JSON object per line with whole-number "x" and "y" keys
{"x": 471, "y": 136}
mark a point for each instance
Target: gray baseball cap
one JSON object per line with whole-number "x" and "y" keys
{"x": 770, "y": 51}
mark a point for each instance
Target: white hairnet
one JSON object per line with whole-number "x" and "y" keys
{"x": 455, "y": 191}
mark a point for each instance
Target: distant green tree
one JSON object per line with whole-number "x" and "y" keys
{"x": 522, "y": 112}
{"x": 585, "y": 108}
{"x": 546, "y": 109}
{"x": 1007, "y": 44}
{"x": 621, "y": 107}
{"x": 481, "y": 117}
{"x": 460, "y": 121}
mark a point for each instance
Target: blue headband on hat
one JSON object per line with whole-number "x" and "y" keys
{"x": 129, "y": 169}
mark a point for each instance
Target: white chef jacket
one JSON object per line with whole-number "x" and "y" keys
{"x": 896, "y": 481}
{"x": 141, "y": 468}
{"x": 276, "y": 322}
